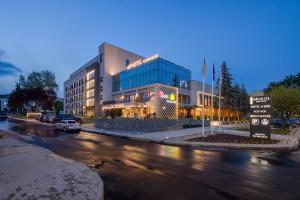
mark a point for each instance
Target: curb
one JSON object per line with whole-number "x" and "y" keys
{"x": 282, "y": 148}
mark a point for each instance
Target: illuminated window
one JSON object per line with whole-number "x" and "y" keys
{"x": 154, "y": 71}
{"x": 90, "y": 84}
{"x": 90, "y": 102}
{"x": 90, "y": 93}
{"x": 90, "y": 75}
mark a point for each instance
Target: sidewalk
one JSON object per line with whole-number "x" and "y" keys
{"x": 152, "y": 136}
{"x": 31, "y": 172}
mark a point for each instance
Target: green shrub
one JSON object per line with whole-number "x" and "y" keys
{"x": 281, "y": 131}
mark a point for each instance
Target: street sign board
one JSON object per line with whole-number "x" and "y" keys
{"x": 260, "y": 116}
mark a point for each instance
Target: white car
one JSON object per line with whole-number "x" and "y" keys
{"x": 68, "y": 125}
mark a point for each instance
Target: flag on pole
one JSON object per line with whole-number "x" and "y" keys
{"x": 203, "y": 69}
{"x": 203, "y": 88}
{"x": 212, "y": 100}
{"x": 220, "y": 87}
{"x": 214, "y": 72}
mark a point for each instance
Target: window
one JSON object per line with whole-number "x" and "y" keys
{"x": 90, "y": 75}
{"x": 127, "y": 62}
{"x": 101, "y": 58}
{"x": 157, "y": 71}
{"x": 90, "y": 84}
{"x": 185, "y": 99}
{"x": 90, "y": 102}
{"x": 127, "y": 98}
{"x": 90, "y": 93}
{"x": 101, "y": 79}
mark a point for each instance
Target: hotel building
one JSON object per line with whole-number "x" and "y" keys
{"x": 120, "y": 83}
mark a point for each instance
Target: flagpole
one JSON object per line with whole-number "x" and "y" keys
{"x": 219, "y": 111}
{"x": 212, "y": 101}
{"x": 203, "y": 82}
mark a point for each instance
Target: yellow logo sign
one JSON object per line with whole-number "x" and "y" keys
{"x": 172, "y": 97}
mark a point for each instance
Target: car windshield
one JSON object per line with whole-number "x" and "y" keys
{"x": 71, "y": 122}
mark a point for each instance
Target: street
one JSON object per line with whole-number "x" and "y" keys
{"x": 140, "y": 170}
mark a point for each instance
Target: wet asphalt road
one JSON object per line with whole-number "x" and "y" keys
{"x": 140, "y": 170}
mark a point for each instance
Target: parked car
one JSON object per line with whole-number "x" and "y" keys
{"x": 3, "y": 115}
{"x": 294, "y": 122}
{"x": 276, "y": 123}
{"x": 40, "y": 118}
{"x": 49, "y": 118}
{"x": 59, "y": 117}
{"x": 68, "y": 125}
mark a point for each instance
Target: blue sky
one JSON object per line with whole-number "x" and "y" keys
{"x": 259, "y": 40}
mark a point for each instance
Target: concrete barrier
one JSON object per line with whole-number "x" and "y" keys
{"x": 134, "y": 124}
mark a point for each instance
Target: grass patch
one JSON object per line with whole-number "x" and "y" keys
{"x": 280, "y": 131}
{"x": 227, "y": 138}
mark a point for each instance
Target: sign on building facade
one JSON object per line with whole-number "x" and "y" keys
{"x": 166, "y": 102}
{"x": 260, "y": 116}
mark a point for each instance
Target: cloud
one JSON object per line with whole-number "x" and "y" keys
{"x": 7, "y": 68}
{"x": 2, "y": 53}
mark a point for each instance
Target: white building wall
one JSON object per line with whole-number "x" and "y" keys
{"x": 3, "y": 103}
{"x": 195, "y": 89}
{"x": 114, "y": 59}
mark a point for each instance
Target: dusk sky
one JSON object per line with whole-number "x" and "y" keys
{"x": 259, "y": 40}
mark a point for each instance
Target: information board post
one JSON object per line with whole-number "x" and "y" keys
{"x": 260, "y": 116}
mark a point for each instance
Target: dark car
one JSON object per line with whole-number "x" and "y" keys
{"x": 276, "y": 123}
{"x": 294, "y": 122}
{"x": 41, "y": 117}
{"x": 3, "y": 115}
{"x": 59, "y": 117}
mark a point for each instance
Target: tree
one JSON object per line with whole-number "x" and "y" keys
{"x": 16, "y": 99}
{"x": 235, "y": 97}
{"x": 288, "y": 81}
{"x": 236, "y": 101}
{"x": 38, "y": 90}
{"x": 244, "y": 100}
{"x": 48, "y": 79}
{"x": 58, "y": 106}
{"x": 285, "y": 102}
{"x": 226, "y": 88}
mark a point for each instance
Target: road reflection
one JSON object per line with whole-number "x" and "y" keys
{"x": 140, "y": 170}
{"x": 200, "y": 157}
{"x": 170, "y": 152}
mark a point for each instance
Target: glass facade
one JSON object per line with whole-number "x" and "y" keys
{"x": 155, "y": 71}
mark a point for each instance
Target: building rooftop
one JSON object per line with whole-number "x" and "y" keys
{"x": 4, "y": 95}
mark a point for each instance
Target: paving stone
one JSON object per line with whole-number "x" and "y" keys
{"x": 31, "y": 172}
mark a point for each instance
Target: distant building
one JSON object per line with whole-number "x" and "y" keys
{"x": 4, "y": 102}
{"x": 60, "y": 99}
{"x": 119, "y": 82}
